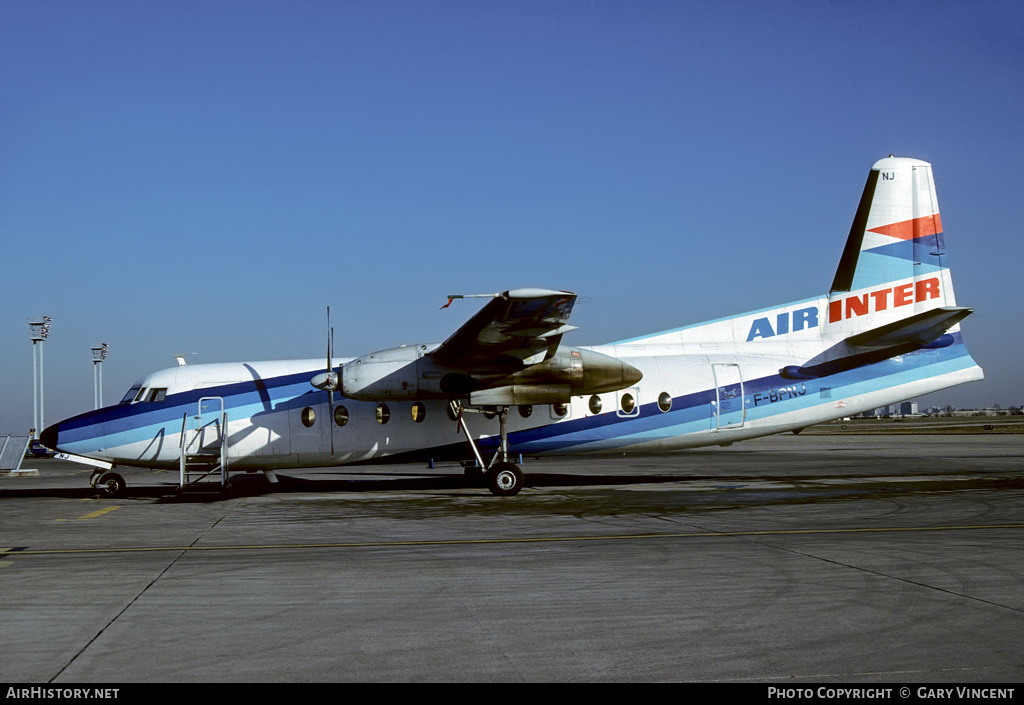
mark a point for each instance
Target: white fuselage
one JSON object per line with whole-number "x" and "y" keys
{"x": 702, "y": 385}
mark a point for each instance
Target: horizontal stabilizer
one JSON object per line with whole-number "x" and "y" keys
{"x": 922, "y": 328}
{"x": 925, "y": 329}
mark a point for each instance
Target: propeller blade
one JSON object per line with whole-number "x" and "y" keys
{"x": 332, "y": 379}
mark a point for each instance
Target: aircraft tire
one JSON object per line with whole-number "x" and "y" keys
{"x": 505, "y": 479}
{"x": 112, "y": 484}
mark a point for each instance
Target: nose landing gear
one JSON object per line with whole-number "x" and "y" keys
{"x": 112, "y": 484}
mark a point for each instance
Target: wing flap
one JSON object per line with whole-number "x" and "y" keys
{"x": 515, "y": 327}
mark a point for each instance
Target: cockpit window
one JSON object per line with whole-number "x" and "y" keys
{"x": 130, "y": 396}
{"x": 140, "y": 393}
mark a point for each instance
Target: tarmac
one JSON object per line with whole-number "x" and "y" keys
{"x": 787, "y": 560}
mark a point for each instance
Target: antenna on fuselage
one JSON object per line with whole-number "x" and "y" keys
{"x": 180, "y": 357}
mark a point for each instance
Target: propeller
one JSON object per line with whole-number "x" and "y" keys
{"x": 332, "y": 378}
{"x": 328, "y": 380}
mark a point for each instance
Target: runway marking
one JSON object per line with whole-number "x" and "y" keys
{"x": 6, "y": 551}
{"x": 94, "y": 515}
{"x": 549, "y": 539}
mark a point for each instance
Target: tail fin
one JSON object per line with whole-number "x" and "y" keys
{"x": 894, "y": 265}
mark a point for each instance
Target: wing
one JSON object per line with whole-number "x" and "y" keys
{"x": 516, "y": 328}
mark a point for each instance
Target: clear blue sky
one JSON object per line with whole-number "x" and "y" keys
{"x": 209, "y": 176}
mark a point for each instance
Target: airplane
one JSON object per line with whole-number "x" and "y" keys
{"x": 504, "y": 384}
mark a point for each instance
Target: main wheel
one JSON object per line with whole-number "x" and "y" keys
{"x": 111, "y": 483}
{"x": 505, "y": 479}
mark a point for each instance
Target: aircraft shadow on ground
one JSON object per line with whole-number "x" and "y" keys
{"x": 256, "y": 485}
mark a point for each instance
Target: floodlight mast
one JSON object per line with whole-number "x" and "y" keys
{"x": 98, "y": 356}
{"x": 40, "y": 331}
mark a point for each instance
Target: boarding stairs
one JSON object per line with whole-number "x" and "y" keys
{"x": 12, "y": 453}
{"x": 203, "y": 450}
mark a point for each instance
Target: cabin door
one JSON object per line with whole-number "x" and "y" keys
{"x": 206, "y": 428}
{"x": 727, "y": 408}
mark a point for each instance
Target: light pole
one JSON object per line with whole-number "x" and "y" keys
{"x": 98, "y": 356}
{"x": 40, "y": 331}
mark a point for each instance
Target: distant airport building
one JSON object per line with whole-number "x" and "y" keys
{"x": 905, "y": 408}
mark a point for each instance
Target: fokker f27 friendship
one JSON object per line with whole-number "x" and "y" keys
{"x": 888, "y": 330}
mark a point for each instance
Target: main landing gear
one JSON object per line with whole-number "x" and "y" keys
{"x": 503, "y": 478}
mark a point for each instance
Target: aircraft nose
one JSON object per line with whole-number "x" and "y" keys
{"x": 49, "y": 436}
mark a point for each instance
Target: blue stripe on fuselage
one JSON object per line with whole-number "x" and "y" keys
{"x": 136, "y": 420}
{"x": 691, "y": 413}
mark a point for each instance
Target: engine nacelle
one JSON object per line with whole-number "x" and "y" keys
{"x": 386, "y": 374}
{"x": 579, "y": 370}
{"x": 409, "y": 373}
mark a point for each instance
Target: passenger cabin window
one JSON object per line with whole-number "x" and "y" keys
{"x": 664, "y": 401}
{"x": 628, "y": 403}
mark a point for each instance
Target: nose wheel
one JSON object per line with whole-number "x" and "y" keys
{"x": 110, "y": 483}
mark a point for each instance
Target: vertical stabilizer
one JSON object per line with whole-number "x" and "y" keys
{"x": 894, "y": 264}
